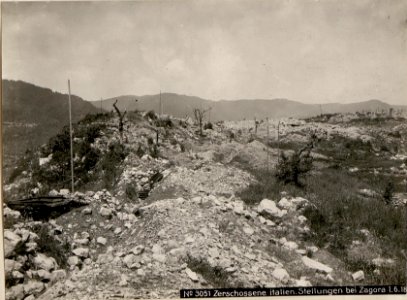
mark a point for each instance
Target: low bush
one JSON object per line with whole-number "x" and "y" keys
{"x": 388, "y": 192}
{"x": 266, "y": 186}
{"x": 111, "y": 163}
{"x": 208, "y": 125}
{"x": 151, "y": 115}
{"x": 92, "y": 118}
{"x": 131, "y": 192}
{"x": 216, "y": 276}
{"x": 50, "y": 246}
{"x": 290, "y": 168}
{"x": 339, "y": 214}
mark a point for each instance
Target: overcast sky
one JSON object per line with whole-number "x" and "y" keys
{"x": 309, "y": 51}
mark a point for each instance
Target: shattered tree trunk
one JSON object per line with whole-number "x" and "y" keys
{"x": 121, "y": 117}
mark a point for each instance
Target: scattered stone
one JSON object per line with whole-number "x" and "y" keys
{"x": 44, "y": 275}
{"x": 281, "y": 274}
{"x": 213, "y": 252}
{"x": 10, "y": 213}
{"x": 268, "y": 208}
{"x": 53, "y": 193}
{"x": 11, "y": 240}
{"x": 238, "y": 208}
{"x": 358, "y": 276}
{"x": 383, "y": 262}
{"x": 11, "y": 265}
{"x": 231, "y": 269}
{"x": 101, "y": 240}
{"x": 15, "y": 292}
{"x": 64, "y": 192}
{"x": 312, "y": 249}
{"x": 105, "y": 212}
{"x": 30, "y": 247}
{"x": 250, "y": 256}
{"x": 248, "y": 230}
{"x": 159, "y": 257}
{"x": 192, "y": 275}
{"x": 41, "y": 261}
{"x": 302, "y": 282}
{"x": 138, "y": 250}
{"x": 58, "y": 275}
{"x": 81, "y": 242}
{"x": 87, "y": 211}
{"x": 117, "y": 231}
{"x": 140, "y": 272}
{"x": 123, "y": 280}
{"x": 33, "y": 287}
{"x": 290, "y": 245}
{"x": 313, "y": 264}
{"x": 131, "y": 261}
{"x": 286, "y": 204}
{"x": 81, "y": 252}
{"x": 189, "y": 240}
{"x": 73, "y": 260}
{"x": 17, "y": 275}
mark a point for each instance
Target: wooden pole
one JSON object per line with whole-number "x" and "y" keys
{"x": 278, "y": 141}
{"x": 268, "y": 140}
{"x": 70, "y": 134}
{"x": 161, "y": 105}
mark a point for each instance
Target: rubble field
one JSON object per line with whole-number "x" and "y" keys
{"x": 160, "y": 215}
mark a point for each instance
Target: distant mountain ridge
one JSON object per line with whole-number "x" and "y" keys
{"x": 182, "y": 105}
{"x": 32, "y": 114}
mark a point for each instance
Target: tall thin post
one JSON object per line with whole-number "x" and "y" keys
{"x": 100, "y": 104}
{"x": 278, "y": 141}
{"x": 161, "y": 105}
{"x": 268, "y": 140}
{"x": 70, "y": 134}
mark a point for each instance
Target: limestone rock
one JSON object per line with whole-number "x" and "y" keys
{"x": 284, "y": 203}
{"x": 10, "y": 213}
{"x": 101, "y": 240}
{"x": 64, "y": 192}
{"x": 17, "y": 275}
{"x": 138, "y": 250}
{"x": 41, "y": 261}
{"x": 58, "y": 275}
{"x": 281, "y": 274}
{"x": 44, "y": 275}
{"x": 81, "y": 252}
{"x": 31, "y": 247}
{"x": 131, "y": 261}
{"x": 11, "y": 240}
{"x": 290, "y": 245}
{"x": 11, "y": 265}
{"x": 15, "y": 292}
{"x": 269, "y": 208}
{"x": 313, "y": 264}
{"x": 192, "y": 275}
{"x": 87, "y": 211}
{"x": 33, "y": 287}
{"x": 159, "y": 257}
{"x": 105, "y": 212}
{"x": 358, "y": 276}
{"x": 73, "y": 260}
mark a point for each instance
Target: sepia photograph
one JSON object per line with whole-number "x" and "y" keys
{"x": 203, "y": 149}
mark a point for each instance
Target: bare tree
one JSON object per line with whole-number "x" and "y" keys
{"x": 199, "y": 116}
{"x": 121, "y": 117}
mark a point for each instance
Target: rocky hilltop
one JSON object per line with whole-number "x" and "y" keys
{"x": 160, "y": 207}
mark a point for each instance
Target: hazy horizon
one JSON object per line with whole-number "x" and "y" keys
{"x": 303, "y": 50}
